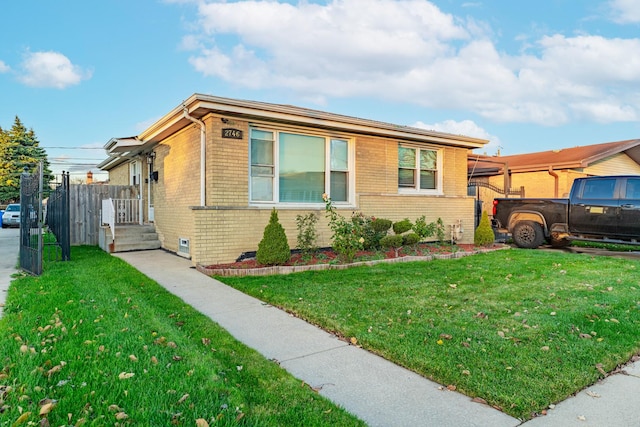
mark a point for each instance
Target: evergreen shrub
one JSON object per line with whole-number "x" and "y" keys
{"x": 484, "y": 233}
{"x": 273, "y": 249}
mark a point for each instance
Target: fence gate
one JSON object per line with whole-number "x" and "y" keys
{"x": 31, "y": 221}
{"x": 58, "y": 219}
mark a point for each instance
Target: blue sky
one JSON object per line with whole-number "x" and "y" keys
{"x": 528, "y": 76}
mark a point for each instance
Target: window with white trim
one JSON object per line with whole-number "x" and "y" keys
{"x": 419, "y": 169}
{"x": 288, "y": 167}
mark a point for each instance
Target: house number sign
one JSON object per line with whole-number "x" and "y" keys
{"x": 231, "y": 133}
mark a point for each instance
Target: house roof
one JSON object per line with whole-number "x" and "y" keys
{"x": 199, "y": 105}
{"x": 565, "y": 158}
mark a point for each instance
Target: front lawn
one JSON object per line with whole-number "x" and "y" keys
{"x": 521, "y": 329}
{"x": 93, "y": 342}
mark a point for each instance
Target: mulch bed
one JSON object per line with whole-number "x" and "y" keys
{"x": 328, "y": 259}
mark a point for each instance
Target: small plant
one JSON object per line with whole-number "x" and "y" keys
{"x": 307, "y": 234}
{"x": 440, "y": 230}
{"x": 484, "y": 233}
{"x": 273, "y": 249}
{"x": 422, "y": 229}
{"x": 347, "y": 238}
{"x": 397, "y": 240}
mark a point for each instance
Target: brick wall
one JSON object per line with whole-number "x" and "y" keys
{"x": 227, "y": 226}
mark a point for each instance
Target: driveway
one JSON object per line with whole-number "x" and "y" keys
{"x": 9, "y": 251}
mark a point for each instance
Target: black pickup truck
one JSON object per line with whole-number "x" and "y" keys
{"x": 602, "y": 208}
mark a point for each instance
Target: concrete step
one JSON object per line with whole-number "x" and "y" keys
{"x": 134, "y": 238}
{"x": 136, "y": 246}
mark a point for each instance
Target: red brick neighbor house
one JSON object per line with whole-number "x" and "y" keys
{"x": 549, "y": 173}
{"x": 211, "y": 170}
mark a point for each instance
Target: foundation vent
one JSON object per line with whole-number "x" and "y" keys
{"x": 183, "y": 247}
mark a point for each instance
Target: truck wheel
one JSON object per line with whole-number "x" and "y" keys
{"x": 528, "y": 234}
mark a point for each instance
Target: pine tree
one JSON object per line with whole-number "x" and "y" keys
{"x": 484, "y": 233}
{"x": 20, "y": 149}
{"x": 273, "y": 249}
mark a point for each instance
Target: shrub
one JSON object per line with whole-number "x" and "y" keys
{"x": 422, "y": 229}
{"x": 347, "y": 238}
{"x": 484, "y": 233}
{"x": 374, "y": 229}
{"x": 402, "y": 226}
{"x": 392, "y": 241}
{"x": 381, "y": 225}
{"x": 307, "y": 234}
{"x": 410, "y": 239}
{"x": 273, "y": 249}
{"x": 440, "y": 230}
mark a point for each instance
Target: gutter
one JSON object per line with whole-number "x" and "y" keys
{"x": 203, "y": 152}
{"x": 555, "y": 181}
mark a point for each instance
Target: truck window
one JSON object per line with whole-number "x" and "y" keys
{"x": 599, "y": 189}
{"x": 633, "y": 188}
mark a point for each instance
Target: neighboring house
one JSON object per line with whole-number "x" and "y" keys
{"x": 549, "y": 173}
{"x": 211, "y": 170}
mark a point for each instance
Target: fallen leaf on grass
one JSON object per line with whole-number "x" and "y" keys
{"x": 21, "y": 419}
{"x": 354, "y": 340}
{"x": 121, "y": 416}
{"x": 183, "y": 398}
{"x": 201, "y": 422}
{"x": 445, "y": 336}
{"x": 46, "y": 408}
{"x": 599, "y": 368}
{"x": 451, "y": 387}
{"x": 479, "y": 400}
{"x": 125, "y": 375}
{"x": 585, "y": 336}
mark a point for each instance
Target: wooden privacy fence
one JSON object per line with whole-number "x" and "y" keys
{"x": 86, "y": 203}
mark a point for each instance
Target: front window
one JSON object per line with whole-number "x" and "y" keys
{"x": 287, "y": 167}
{"x": 418, "y": 169}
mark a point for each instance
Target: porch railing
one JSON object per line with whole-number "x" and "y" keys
{"x": 121, "y": 211}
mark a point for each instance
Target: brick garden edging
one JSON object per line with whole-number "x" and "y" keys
{"x": 286, "y": 269}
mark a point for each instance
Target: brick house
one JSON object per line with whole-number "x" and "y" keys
{"x": 211, "y": 170}
{"x": 549, "y": 173}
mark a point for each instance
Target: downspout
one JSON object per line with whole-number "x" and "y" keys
{"x": 555, "y": 180}
{"x": 203, "y": 152}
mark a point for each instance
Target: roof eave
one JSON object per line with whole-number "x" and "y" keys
{"x": 199, "y": 105}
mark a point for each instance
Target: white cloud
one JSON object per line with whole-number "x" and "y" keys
{"x": 4, "y": 68}
{"x": 51, "y": 69}
{"x": 625, "y": 11}
{"x": 410, "y": 50}
{"x": 464, "y": 127}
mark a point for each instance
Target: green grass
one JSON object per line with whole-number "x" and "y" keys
{"x": 521, "y": 329}
{"x": 111, "y": 347}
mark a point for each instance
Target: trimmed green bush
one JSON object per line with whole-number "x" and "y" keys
{"x": 410, "y": 239}
{"x": 484, "y": 233}
{"x": 402, "y": 226}
{"x": 273, "y": 249}
{"x": 391, "y": 241}
{"x": 381, "y": 225}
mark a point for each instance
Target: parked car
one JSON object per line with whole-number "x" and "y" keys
{"x": 11, "y": 216}
{"x": 599, "y": 208}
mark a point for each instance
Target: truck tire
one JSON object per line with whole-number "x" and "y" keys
{"x": 527, "y": 234}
